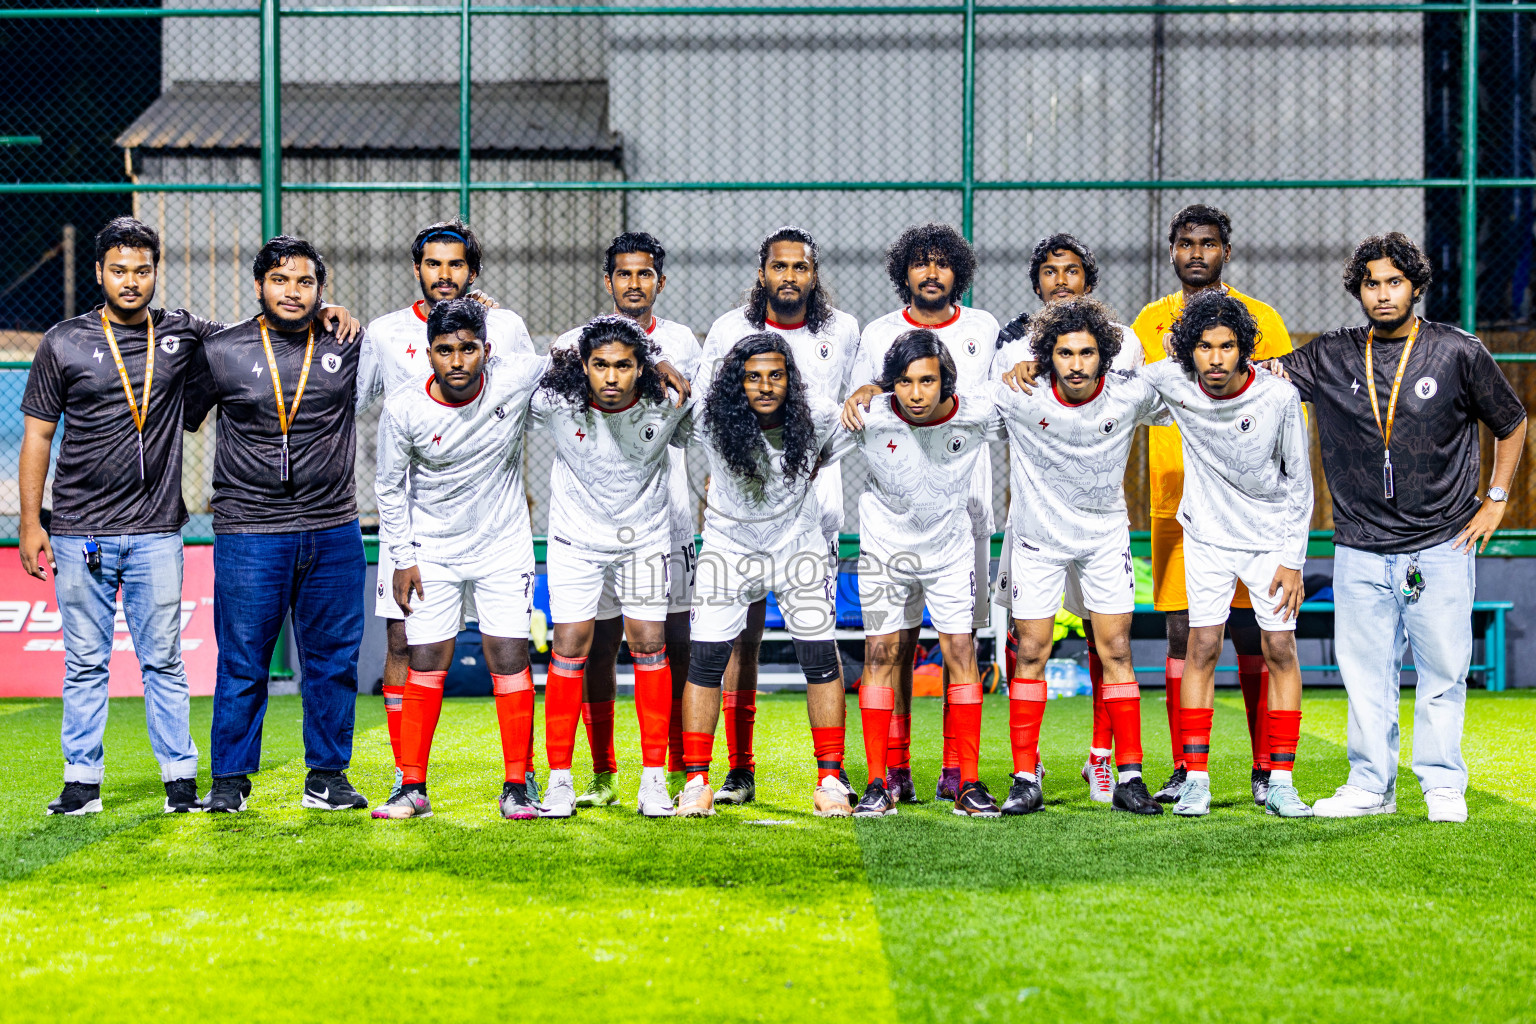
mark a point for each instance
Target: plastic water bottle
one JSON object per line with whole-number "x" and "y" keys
{"x": 1060, "y": 678}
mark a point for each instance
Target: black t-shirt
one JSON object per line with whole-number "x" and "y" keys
{"x": 96, "y": 483}
{"x": 1450, "y": 384}
{"x": 249, "y": 495}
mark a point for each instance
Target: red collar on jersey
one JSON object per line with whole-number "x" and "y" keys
{"x": 622, "y": 408}
{"x": 896, "y": 408}
{"x": 654, "y": 322}
{"x": 455, "y": 405}
{"x": 1222, "y": 398}
{"x": 906, "y": 313}
{"x": 1072, "y": 405}
{"x": 416, "y": 308}
{"x": 768, "y": 321}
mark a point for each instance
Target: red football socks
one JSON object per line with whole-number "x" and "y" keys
{"x": 419, "y": 711}
{"x": 828, "y": 744}
{"x": 562, "y": 709}
{"x": 698, "y": 751}
{"x": 951, "y": 755}
{"x": 1102, "y": 729}
{"x": 1173, "y": 675}
{"x": 1284, "y": 733}
{"x": 1253, "y": 677}
{"x": 675, "y": 736}
{"x": 740, "y": 710}
{"x": 393, "y": 698}
{"x": 597, "y": 716}
{"x": 898, "y": 744}
{"x": 875, "y": 704}
{"x": 1122, "y": 706}
{"x": 1011, "y": 652}
{"x": 1195, "y": 724}
{"x": 653, "y": 706}
{"x": 514, "y": 710}
{"x": 965, "y": 718}
{"x": 1026, "y": 710}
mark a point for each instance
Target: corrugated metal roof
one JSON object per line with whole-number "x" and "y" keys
{"x": 524, "y": 119}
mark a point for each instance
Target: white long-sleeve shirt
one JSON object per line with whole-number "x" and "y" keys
{"x": 1247, "y": 474}
{"x": 449, "y": 478}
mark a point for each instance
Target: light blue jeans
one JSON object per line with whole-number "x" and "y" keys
{"x": 147, "y": 567}
{"x": 1374, "y": 625}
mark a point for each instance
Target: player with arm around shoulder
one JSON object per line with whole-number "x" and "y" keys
{"x": 452, "y": 512}
{"x": 921, "y": 440}
{"x": 1245, "y": 512}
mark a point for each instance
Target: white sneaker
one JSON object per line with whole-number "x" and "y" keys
{"x": 654, "y": 802}
{"x": 560, "y": 799}
{"x": 1100, "y": 778}
{"x": 1445, "y": 805}
{"x": 1353, "y": 802}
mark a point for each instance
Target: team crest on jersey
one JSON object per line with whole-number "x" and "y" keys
{"x": 331, "y": 361}
{"x": 970, "y": 346}
{"x": 381, "y": 588}
{"x": 648, "y": 433}
{"x": 501, "y": 412}
{"x": 1245, "y": 424}
{"x": 1426, "y": 388}
{"x": 170, "y": 345}
{"x": 824, "y": 351}
{"x": 956, "y": 443}
{"x": 1108, "y": 426}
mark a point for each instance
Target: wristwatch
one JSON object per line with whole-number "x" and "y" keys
{"x": 1497, "y": 494}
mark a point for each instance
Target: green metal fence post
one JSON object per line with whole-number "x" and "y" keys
{"x": 968, "y": 127}
{"x": 464, "y": 110}
{"x": 271, "y": 122}
{"x": 1469, "y": 170}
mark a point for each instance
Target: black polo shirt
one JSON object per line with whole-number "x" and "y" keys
{"x": 1450, "y": 385}
{"x": 249, "y": 495}
{"x": 96, "y": 484}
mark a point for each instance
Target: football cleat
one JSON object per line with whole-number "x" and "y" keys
{"x": 602, "y": 791}
{"x": 1194, "y": 798}
{"x": 515, "y": 803}
{"x": 830, "y": 799}
{"x": 740, "y": 787}
{"x": 1131, "y": 795}
{"x": 975, "y": 802}
{"x": 898, "y": 782}
{"x": 1100, "y": 778}
{"x": 1258, "y": 781}
{"x": 948, "y": 787}
{"x": 876, "y": 802}
{"x": 1283, "y": 800}
{"x": 1024, "y": 797}
{"x": 675, "y": 783}
{"x": 78, "y": 798}
{"x": 560, "y": 799}
{"x": 696, "y": 800}
{"x": 531, "y": 782}
{"x": 654, "y": 801}
{"x": 1170, "y": 791}
{"x": 409, "y": 803}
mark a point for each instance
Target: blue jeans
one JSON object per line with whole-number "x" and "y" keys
{"x": 1374, "y": 625}
{"x": 258, "y": 578}
{"x": 147, "y": 568}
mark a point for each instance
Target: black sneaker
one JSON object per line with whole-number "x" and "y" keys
{"x": 1024, "y": 797}
{"x": 876, "y": 802}
{"x": 740, "y": 787}
{"x": 975, "y": 802}
{"x": 77, "y": 798}
{"x": 1170, "y": 791}
{"x": 330, "y": 791}
{"x": 1131, "y": 795}
{"x": 228, "y": 795}
{"x": 515, "y": 803}
{"x": 898, "y": 782}
{"x": 1258, "y": 779}
{"x": 181, "y": 796}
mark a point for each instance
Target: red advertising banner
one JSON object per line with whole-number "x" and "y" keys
{"x": 32, "y": 633}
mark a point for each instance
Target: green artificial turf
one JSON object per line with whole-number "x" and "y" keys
{"x": 766, "y": 913}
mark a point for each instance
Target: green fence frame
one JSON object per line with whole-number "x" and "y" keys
{"x": 272, "y": 187}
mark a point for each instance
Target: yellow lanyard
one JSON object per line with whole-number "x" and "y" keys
{"x": 140, "y": 416}
{"x": 1397, "y": 383}
{"x": 285, "y": 417}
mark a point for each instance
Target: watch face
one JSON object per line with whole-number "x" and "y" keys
{"x": 1498, "y": 494}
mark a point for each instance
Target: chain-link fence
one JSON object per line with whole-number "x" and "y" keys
{"x": 554, "y": 128}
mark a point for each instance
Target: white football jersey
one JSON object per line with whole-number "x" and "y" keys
{"x": 449, "y": 478}
{"x": 914, "y": 514}
{"x": 1129, "y": 359}
{"x": 399, "y": 348}
{"x": 1066, "y": 464}
{"x": 744, "y": 517}
{"x": 609, "y": 484}
{"x": 679, "y": 347}
{"x": 824, "y": 359}
{"x": 1247, "y": 473}
{"x": 971, "y": 337}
